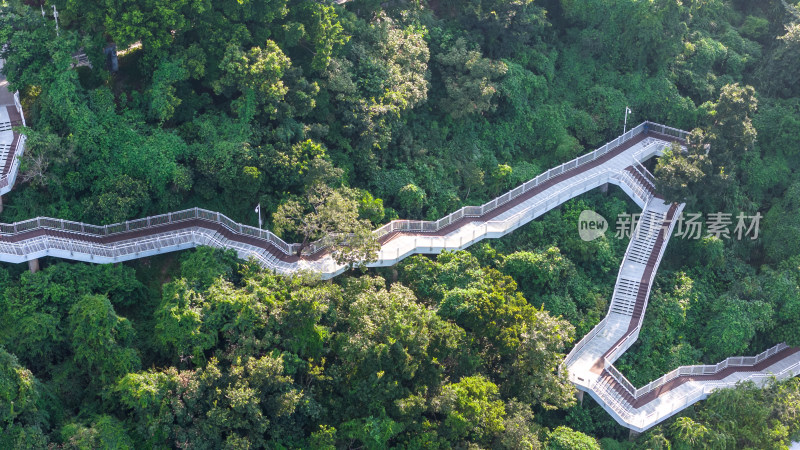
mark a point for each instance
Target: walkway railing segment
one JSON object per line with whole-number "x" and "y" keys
{"x": 7, "y": 179}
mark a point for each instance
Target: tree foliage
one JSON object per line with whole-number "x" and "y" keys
{"x": 338, "y": 117}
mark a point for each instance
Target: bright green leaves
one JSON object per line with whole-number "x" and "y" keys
{"x": 179, "y": 328}
{"x": 779, "y": 75}
{"x": 388, "y": 349}
{"x": 291, "y": 164}
{"x": 324, "y": 31}
{"x": 469, "y": 79}
{"x": 37, "y": 309}
{"x": 538, "y": 271}
{"x": 20, "y": 417}
{"x": 101, "y": 339}
{"x": 564, "y": 438}
{"x": 472, "y": 410}
{"x": 258, "y": 70}
{"x": 678, "y": 174}
{"x": 333, "y": 216}
{"x": 743, "y": 417}
{"x": 104, "y": 432}
{"x": 163, "y": 100}
{"x": 411, "y": 199}
{"x": 384, "y": 75}
{"x": 18, "y": 390}
{"x": 732, "y": 325}
{"x": 520, "y": 345}
{"x": 714, "y": 153}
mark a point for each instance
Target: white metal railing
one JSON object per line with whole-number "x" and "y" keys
{"x": 399, "y": 225}
{"x": 734, "y": 361}
{"x": 573, "y": 187}
{"x": 637, "y": 419}
{"x": 631, "y": 337}
{"x": 18, "y": 105}
{"x": 646, "y": 197}
{"x": 7, "y": 180}
{"x": 144, "y": 223}
{"x": 477, "y": 211}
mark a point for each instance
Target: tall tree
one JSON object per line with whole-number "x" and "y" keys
{"x": 470, "y": 80}
{"x": 678, "y": 174}
{"x": 330, "y": 215}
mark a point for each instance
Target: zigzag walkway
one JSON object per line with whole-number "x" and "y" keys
{"x": 590, "y": 362}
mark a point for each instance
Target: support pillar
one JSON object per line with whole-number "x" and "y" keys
{"x": 579, "y": 396}
{"x": 33, "y": 265}
{"x": 604, "y": 188}
{"x": 633, "y": 435}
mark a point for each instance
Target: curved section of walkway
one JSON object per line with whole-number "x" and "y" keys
{"x": 12, "y": 144}
{"x": 590, "y": 363}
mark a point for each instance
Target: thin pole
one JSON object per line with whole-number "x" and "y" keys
{"x": 258, "y": 210}
{"x": 625, "y": 126}
{"x": 55, "y": 15}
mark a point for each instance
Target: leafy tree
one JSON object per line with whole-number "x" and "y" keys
{"x": 179, "y": 328}
{"x": 255, "y": 72}
{"x": 778, "y": 75}
{"x": 472, "y": 410}
{"x": 383, "y": 75}
{"x": 163, "y": 100}
{"x": 565, "y": 438}
{"x": 104, "y": 431}
{"x": 732, "y": 132}
{"x": 391, "y": 348}
{"x": 151, "y": 21}
{"x": 520, "y": 345}
{"x": 743, "y": 417}
{"x": 232, "y": 404}
{"x": 206, "y": 264}
{"x": 411, "y": 198}
{"x": 323, "y": 31}
{"x": 540, "y": 270}
{"x": 469, "y": 80}
{"x": 20, "y": 416}
{"x": 331, "y": 215}
{"x": 678, "y": 175}
{"x": 101, "y": 339}
{"x": 782, "y": 290}
{"x": 31, "y": 48}
{"x": 35, "y": 323}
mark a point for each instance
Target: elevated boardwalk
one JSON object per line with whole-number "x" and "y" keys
{"x": 589, "y": 364}
{"x": 12, "y": 144}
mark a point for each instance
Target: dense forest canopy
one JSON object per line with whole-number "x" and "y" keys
{"x": 338, "y": 118}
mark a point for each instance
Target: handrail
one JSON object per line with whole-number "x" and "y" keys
{"x": 476, "y": 211}
{"x": 7, "y": 180}
{"x": 397, "y": 225}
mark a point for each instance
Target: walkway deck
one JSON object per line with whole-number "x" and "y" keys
{"x": 11, "y": 142}
{"x": 590, "y": 364}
